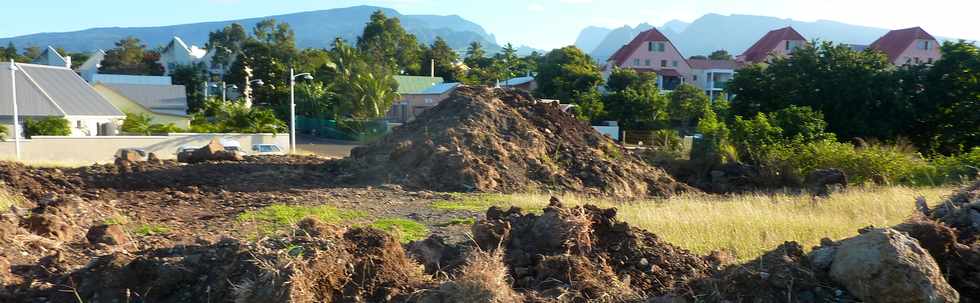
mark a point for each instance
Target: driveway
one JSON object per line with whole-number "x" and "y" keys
{"x": 324, "y": 147}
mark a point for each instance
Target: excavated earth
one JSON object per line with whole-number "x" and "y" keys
{"x": 499, "y": 140}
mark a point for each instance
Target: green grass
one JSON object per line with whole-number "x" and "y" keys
{"x": 747, "y": 225}
{"x": 280, "y": 217}
{"x": 150, "y": 229}
{"x": 457, "y": 221}
{"x": 116, "y": 219}
{"x": 404, "y": 230}
{"x": 470, "y": 202}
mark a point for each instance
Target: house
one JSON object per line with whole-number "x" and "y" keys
{"x": 51, "y": 57}
{"x": 418, "y": 94}
{"x": 777, "y": 43}
{"x": 712, "y": 75}
{"x": 908, "y": 46}
{"x": 90, "y": 67}
{"x": 651, "y": 51}
{"x": 526, "y": 83}
{"x": 177, "y": 53}
{"x": 164, "y": 104}
{"x": 54, "y": 91}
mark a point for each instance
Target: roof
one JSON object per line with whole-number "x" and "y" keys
{"x": 623, "y": 54}
{"x": 760, "y": 50}
{"x": 193, "y": 50}
{"x": 440, "y": 88}
{"x": 518, "y": 81}
{"x": 131, "y": 79}
{"x": 51, "y": 57}
{"x": 94, "y": 61}
{"x": 897, "y": 41}
{"x": 416, "y": 84}
{"x": 51, "y": 91}
{"x": 712, "y": 64}
{"x": 857, "y": 47}
{"x": 160, "y": 99}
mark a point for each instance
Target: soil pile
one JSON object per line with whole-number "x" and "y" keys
{"x": 499, "y": 140}
{"x": 584, "y": 254}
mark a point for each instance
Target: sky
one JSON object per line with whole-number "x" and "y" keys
{"x": 543, "y": 24}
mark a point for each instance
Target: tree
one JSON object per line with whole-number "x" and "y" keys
{"x": 565, "y": 73}
{"x": 800, "y": 124}
{"x": 688, "y": 104}
{"x": 130, "y": 57}
{"x": 444, "y": 58}
{"x": 385, "y": 42}
{"x": 720, "y": 55}
{"x": 267, "y": 55}
{"x": 226, "y": 43}
{"x": 363, "y": 91}
{"x": 635, "y": 100}
{"x": 50, "y": 126}
{"x": 193, "y": 78}
{"x": 9, "y": 53}
{"x": 713, "y": 148}
{"x": 475, "y": 55}
{"x": 31, "y": 52}
{"x": 947, "y": 121}
{"x": 4, "y": 133}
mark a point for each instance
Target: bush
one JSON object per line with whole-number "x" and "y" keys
{"x": 4, "y": 133}
{"x": 51, "y": 126}
{"x": 137, "y": 124}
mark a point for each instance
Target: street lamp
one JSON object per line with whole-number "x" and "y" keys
{"x": 292, "y": 106}
{"x": 13, "y": 89}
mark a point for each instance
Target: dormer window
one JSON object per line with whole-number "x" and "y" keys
{"x": 924, "y": 44}
{"x": 656, "y": 46}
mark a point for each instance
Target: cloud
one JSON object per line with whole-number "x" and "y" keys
{"x": 534, "y": 7}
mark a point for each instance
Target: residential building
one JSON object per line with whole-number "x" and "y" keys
{"x": 51, "y": 57}
{"x": 90, "y": 67}
{"x": 651, "y": 51}
{"x": 712, "y": 75}
{"x": 908, "y": 46}
{"x": 777, "y": 43}
{"x": 52, "y": 91}
{"x": 164, "y": 104}
{"x": 526, "y": 83}
{"x": 418, "y": 94}
{"x": 177, "y": 53}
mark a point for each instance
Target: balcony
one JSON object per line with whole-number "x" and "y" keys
{"x": 718, "y": 85}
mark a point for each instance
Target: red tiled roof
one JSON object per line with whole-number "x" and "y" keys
{"x": 895, "y": 42}
{"x": 760, "y": 50}
{"x": 712, "y": 64}
{"x": 621, "y": 55}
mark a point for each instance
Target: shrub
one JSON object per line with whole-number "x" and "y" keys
{"x": 51, "y": 126}
{"x": 4, "y": 133}
{"x": 137, "y": 124}
{"x": 164, "y": 128}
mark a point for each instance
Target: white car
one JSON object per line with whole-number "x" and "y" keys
{"x": 267, "y": 150}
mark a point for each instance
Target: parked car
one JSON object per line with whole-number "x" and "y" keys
{"x": 267, "y": 150}
{"x": 143, "y": 155}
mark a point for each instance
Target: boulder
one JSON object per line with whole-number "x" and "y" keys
{"x": 214, "y": 151}
{"x": 49, "y": 225}
{"x": 107, "y": 234}
{"x": 822, "y": 182}
{"x": 885, "y": 265}
{"x": 130, "y": 155}
{"x": 153, "y": 158}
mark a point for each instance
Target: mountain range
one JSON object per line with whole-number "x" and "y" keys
{"x": 313, "y": 29}
{"x": 734, "y": 33}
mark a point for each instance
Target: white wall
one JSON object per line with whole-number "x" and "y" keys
{"x": 85, "y": 150}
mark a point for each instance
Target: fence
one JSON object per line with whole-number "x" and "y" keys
{"x": 87, "y": 150}
{"x": 348, "y": 130}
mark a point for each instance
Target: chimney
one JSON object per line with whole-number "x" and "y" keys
{"x": 68, "y": 61}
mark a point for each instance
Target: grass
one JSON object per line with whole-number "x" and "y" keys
{"x": 404, "y": 230}
{"x": 457, "y": 221}
{"x": 470, "y": 202}
{"x": 279, "y": 217}
{"x": 746, "y": 225}
{"x": 150, "y": 229}
{"x": 116, "y": 219}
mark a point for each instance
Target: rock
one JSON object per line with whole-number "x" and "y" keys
{"x": 214, "y": 151}
{"x": 822, "y": 258}
{"x": 153, "y": 158}
{"x": 4, "y": 270}
{"x": 822, "y": 182}
{"x": 129, "y": 155}
{"x": 124, "y": 166}
{"x": 107, "y": 234}
{"x": 885, "y": 265}
{"x": 50, "y": 226}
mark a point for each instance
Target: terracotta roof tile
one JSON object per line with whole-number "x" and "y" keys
{"x": 621, "y": 55}
{"x": 760, "y": 50}
{"x": 895, "y": 42}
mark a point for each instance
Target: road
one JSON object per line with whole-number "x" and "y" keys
{"x": 324, "y": 147}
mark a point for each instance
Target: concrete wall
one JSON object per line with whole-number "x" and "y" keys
{"x": 83, "y": 150}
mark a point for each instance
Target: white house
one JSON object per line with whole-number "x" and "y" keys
{"x": 51, "y": 57}
{"x": 90, "y": 67}
{"x": 712, "y": 75}
{"x": 52, "y": 91}
{"x": 177, "y": 53}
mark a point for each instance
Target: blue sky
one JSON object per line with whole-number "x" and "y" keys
{"x": 543, "y": 24}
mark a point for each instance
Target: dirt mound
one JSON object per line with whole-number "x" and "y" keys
{"x": 962, "y": 212}
{"x": 36, "y": 183}
{"x": 499, "y": 140}
{"x": 584, "y": 253}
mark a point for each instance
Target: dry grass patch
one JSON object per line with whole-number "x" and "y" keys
{"x": 749, "y": 225}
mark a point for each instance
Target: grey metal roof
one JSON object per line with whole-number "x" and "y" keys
{"x": 440, "y": 88}
{"x": 51, "y": 57}
{"x": 518, "y": 81}
{"x": 130, "y": 79}
{"x": 51, "y": 91}
{"x": 161, "y": 99}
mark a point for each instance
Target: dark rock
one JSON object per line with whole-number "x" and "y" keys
{"x": 822, "y": 182}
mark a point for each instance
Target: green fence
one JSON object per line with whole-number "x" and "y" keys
{"x": 348, "y": 130}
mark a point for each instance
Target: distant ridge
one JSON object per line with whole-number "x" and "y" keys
{"x": 313, "y": 29}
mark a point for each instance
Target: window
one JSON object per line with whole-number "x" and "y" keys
{"x": 78, "y": 124}
{"x": 661, "y": 46}
{"x": 663, "y": 63}
{"x": 650, "y": 46}
{"x": 917, "y": 60}
{"x": 647, "y": 63}
{"x": 428, "y": 100}
{"x": 930, "y": 61}
{"x": 655, "y": 47}
{"x": 674, "y": 64}
{"x": 695, "y": 77}
{"x": 636, "y": 62}
{"x": 923, "y": 44}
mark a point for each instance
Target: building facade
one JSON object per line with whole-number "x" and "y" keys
{"x": 776, "y": 43}
{"x": 651, "y": 51}
{"x": 908, "y": 46}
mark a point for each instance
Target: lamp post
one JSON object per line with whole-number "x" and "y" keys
{"x": 292, "y": 106}
{"x": 13, "y": 89}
